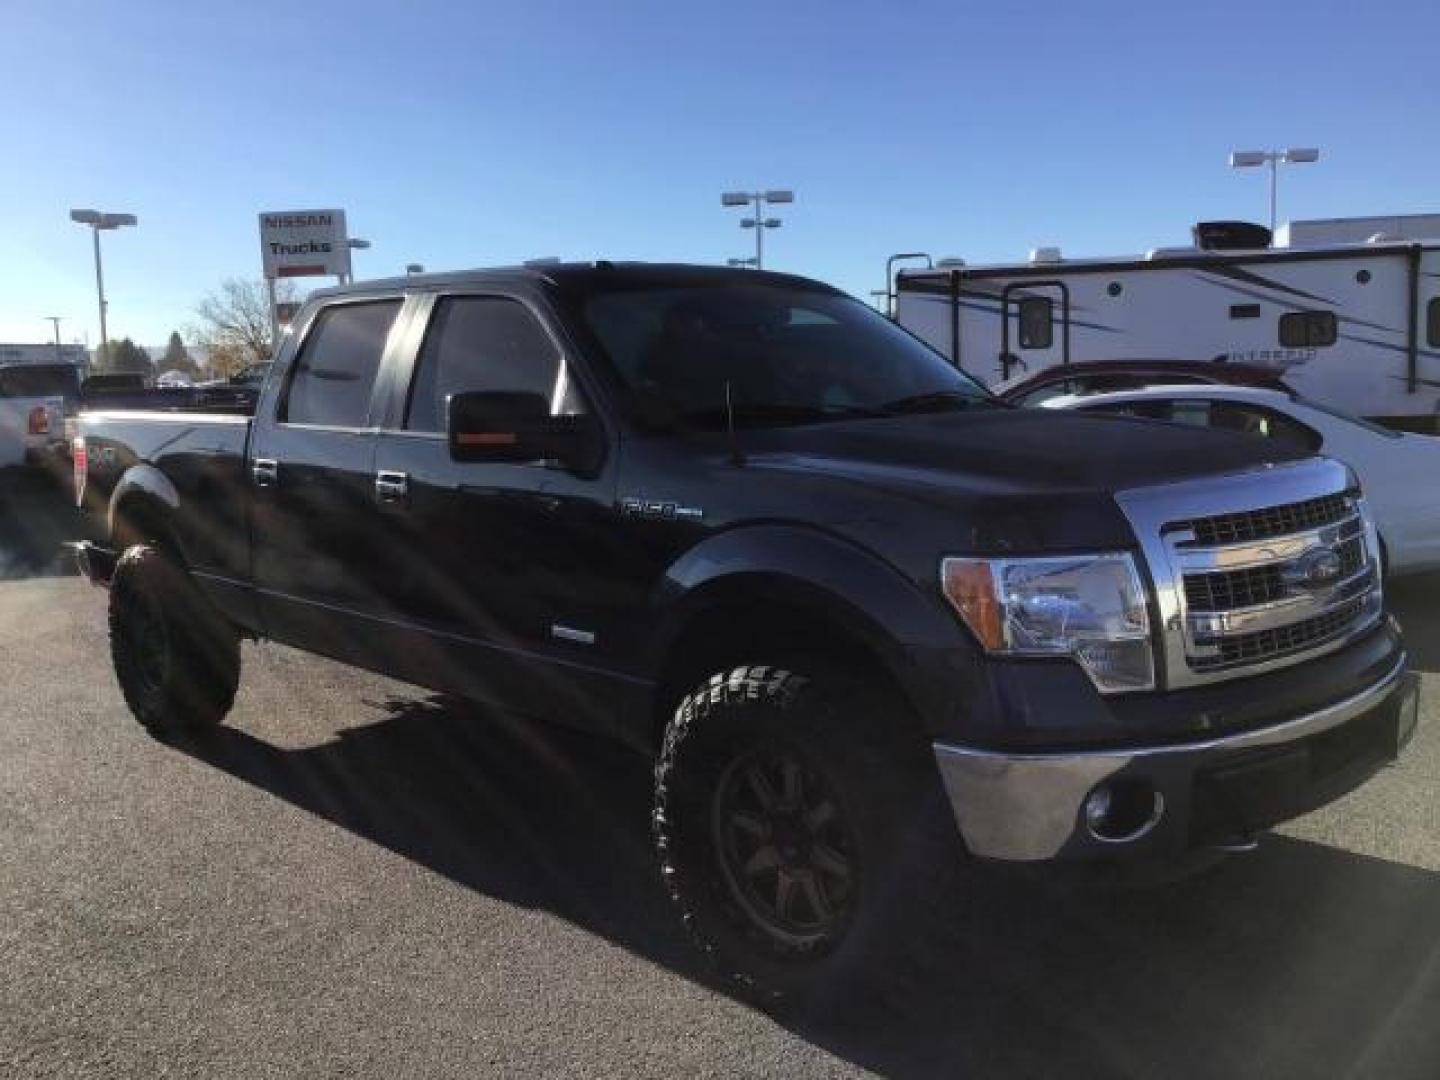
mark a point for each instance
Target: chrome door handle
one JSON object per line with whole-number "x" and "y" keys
{"x": 265, "y": 472}
{"x": 391, "y": 487}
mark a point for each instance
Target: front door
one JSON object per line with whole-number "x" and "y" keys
{"x": 506, "y": 567}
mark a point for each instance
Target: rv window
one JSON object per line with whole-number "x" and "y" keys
{"x": 1307, "y": 329}
{"x": 1432, "y": 318}
{"x": 1036, "y": 331}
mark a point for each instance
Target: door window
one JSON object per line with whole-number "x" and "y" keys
{"x": 334, "y": 375}
{"x": 484, "y": 343}
{"x": 1037, "y": 330}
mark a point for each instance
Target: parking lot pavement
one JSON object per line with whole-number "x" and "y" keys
{"x": 359, "y": 879}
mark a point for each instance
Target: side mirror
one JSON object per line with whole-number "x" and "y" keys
{"x": 511, "y": 426}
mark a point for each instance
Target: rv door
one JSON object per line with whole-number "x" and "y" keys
{"x": 1037, "y": 307}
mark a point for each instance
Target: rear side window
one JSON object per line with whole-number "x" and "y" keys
{"x": 1250, "y": 419}
{"x": 335, "y": 373}
{"x": 1044, "y": 393}
{"x": 1307, "y": 329}
{"x": 1241, "y": 417}
{"x": 480, "y": 343}
{"x": 1432, "y": 322}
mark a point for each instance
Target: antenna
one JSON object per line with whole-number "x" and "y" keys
{"x": 736, "y": 457}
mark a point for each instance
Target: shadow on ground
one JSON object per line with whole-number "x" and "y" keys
{"x": 35, "y": 519}
{"x": 1295, "y": 960}
{"x": 1415, "y": 601}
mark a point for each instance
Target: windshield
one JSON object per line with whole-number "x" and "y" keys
{"x": 782, "y": 355}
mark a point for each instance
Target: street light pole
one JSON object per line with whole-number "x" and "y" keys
{"x": 758, "y": 199}
{"x": 1274, "y": 185}
{"x": 56, "y": 320}
{"x": 354, "y": 245}
{"x": 100, "y": 291}
{"x": 1246, "y": 159}
{"x": 98, "y": 221}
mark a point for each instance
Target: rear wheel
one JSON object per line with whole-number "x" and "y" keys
{"x": 804, "y": 835}
{"x": 177, "y": 659}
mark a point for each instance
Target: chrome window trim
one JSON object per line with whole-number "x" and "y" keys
{"x": 1150, "y": 510}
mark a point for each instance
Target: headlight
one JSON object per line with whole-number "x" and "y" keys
{"x": 1089, "y": 607}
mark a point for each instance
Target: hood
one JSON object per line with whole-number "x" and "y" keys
{"x": 1015, "y": 451}
{"x": 1021, "y": 480}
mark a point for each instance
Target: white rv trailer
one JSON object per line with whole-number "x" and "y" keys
{"x": 1348, "y": 309}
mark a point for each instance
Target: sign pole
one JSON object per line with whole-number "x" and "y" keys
{"x": 274, "y": 318}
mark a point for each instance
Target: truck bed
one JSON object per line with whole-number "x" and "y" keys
{"x": 189, "y": 463}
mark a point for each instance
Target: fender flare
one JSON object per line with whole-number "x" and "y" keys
{"x": 872, "y": 600}
{"x": 145, "y": 483}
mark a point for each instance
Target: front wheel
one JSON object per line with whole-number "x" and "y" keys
{"x": 177, "y": 659}
{"x": 803, "y": 833}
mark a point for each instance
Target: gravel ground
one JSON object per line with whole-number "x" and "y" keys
{"x": 357, "y": 879}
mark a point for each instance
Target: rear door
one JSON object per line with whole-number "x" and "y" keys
{"x": 316, "y": 552}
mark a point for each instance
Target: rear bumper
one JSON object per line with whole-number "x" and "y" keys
{"x": 1032, "y": 807}
{"x": 95, "y": 563}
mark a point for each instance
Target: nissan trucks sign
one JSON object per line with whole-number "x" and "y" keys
{"x": 304, "y": 243}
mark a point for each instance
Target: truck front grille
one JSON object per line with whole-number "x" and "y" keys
{"x": 1257, "y": 571}
{"x": 1268, "y": 521}
{"x": 1253, "y": 585}
{"x": 1282, "y": 640}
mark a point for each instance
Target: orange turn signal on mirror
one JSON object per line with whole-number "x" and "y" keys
{"x": 969, "y": 585}
{"x": 486, "y": 438}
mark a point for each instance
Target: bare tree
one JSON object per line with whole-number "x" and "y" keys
{"x": 234, "y": 325}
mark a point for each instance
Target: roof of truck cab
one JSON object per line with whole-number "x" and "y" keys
{"x": 580, "y": 275}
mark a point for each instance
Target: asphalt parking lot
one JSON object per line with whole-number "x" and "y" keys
{"x": 356, "y": 878}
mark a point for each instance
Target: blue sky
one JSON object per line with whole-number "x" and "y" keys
{"x": 474, "y": 133}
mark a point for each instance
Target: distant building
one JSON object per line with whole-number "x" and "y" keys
{"x": 45, "y": 354}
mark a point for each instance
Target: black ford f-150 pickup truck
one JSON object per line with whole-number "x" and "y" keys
{"x": 876, "y": 627}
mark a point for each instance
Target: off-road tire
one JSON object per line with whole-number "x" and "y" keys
{"x": 176, "y": 657}
{"x": 909, "y": 864}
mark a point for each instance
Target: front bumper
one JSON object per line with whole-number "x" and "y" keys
{"x": 1031, "y": 807}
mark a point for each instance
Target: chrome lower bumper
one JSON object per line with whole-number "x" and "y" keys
{"x": 1028, "y": 807}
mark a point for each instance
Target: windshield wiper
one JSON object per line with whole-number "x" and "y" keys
{"x": 939, "y": 401}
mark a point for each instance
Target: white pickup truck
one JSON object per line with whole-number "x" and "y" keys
{"x": 34, "y": 402}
